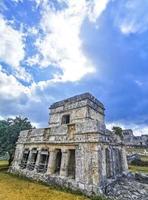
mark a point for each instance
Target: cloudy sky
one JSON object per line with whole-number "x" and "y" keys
{"x": 53, "y": 49}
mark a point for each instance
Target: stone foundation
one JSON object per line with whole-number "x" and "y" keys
{"x": 63, "y": 182}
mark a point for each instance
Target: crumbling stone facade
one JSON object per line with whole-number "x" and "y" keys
{"x": 75, "y": 151}
{"x": 131, "y": 140}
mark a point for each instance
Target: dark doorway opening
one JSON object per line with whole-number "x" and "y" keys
{"x": 118, "y": 166}
{"x": 108, "y": 163}
{"x": 34, "y": 154}
{"x": 71, "y": 164}
{"x": 43, "y": 163}
{"x": 58, "y": 161}
{"x": 25, "y": 158}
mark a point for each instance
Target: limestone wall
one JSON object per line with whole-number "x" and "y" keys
{"x": 76, "y": 115}
{"x": 131, "y": 140}
{"x": 79, "y": 108}
{"x": 79, "y": 153}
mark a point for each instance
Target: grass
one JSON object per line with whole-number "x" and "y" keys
{"x": 144, "y": 158}
{"x": 3, "y": 164}
{"x": 18, "y": 188}
{"x": 15, "y": 188}
{"x": 133, "y": 168}
{"x": 141, "y": 169}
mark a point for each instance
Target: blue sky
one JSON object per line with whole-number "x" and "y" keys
{"x": 53, "y": 49}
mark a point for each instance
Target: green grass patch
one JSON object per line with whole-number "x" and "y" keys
{"x": 100, "y": 198}
{"x": 141, "y": 169}
{"x": 144, "y": 158}
{"x": 3, "y": 164}
{"x": 14, "y": 187}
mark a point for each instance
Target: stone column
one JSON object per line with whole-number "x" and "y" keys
{"x": 94, "y": 168}
{"x": 103, "y": 167}
{"x": 111, "y": 157}
{"x": 114, "y": 162}
{"x": 124, "y": 160}
{"x": 64, "y": 163}
{"x": 37, "y": 160}
{"x": 29, "y": 157}
{"x": 18, "y": 156}
{"x": 52, "y": 162}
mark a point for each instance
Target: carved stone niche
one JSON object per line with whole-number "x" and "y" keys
{"x": 46, "y": 134}
{"x": 71, "y": 131}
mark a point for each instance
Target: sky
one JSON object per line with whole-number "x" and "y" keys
{"x": 55, "y": 49}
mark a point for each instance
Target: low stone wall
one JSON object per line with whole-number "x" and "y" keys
{"x": 126, "y": 187}
{"x": 55, "y": 180}
{"x": 132, "y": 157}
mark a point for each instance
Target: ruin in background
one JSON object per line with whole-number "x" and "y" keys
{"x": 136, "y": 141}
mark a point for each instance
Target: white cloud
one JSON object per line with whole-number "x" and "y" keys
{"x": 17, "y": 1}
{"x": 127, "y": 28}
{"x": 140, "y": 130}
{"x": 12, "y": 49}
{"x": 96, "y": 8}
{"x": 11, "y": 44}
{"x": 22, "y": 74}
{"x": 39, "y": 2}
{"x": 33, "y": 60}
{"x": 139, "y": 83}
{"x": 137, "y": 129}
{"x": 132, "y": 17}
{"x": 10, "y": 88}
{"x": 61, "y": 46}
{"x": 110, "y": 125}
{"x": 1, "y": 118}
{"x": 32, "y": 30}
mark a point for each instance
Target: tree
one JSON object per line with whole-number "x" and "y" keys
{"x": 9, "y": 132}
{"x": 118, "y": 131}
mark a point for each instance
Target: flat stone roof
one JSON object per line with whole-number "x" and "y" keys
{"x": 76, "y": 99}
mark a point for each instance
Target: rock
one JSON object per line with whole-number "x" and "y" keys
{"x": 133, "y": 157}
{"x": 126, "y": 189}
{"x": 143, "y": 178}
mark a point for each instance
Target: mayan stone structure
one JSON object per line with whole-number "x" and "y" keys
{"x": 131, "y": 140}
{"x": 75, "y": 151}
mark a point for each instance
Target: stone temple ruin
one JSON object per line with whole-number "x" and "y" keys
{"x": 75, "y": 151}
{"x": 136, "y": 141}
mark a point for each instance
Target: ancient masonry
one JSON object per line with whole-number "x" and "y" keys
{"x": 131, "y": 140}
{"x": 75, "y": 151}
